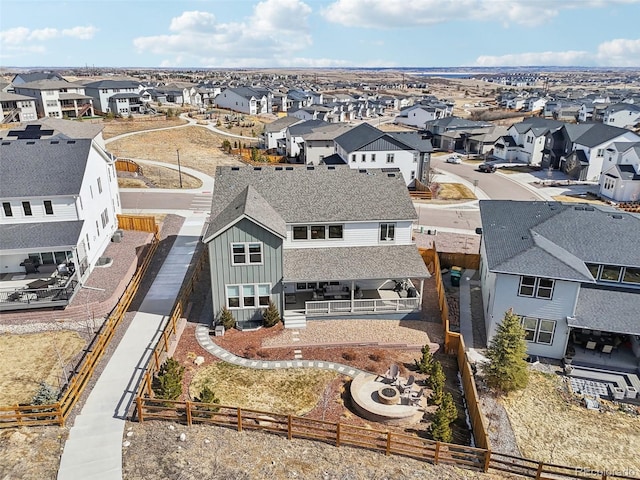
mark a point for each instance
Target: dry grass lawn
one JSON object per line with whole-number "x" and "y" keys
{"x": 455, "y": 191}
{"x": 517, "y": 169}
{"x": 550, "y": 429}
{"x": 577, "y": 199}
{"x": 199, "y": 148}
{"x": 286, "y": 391}
{"x": 26, "y": 360}
{"x": 117, "y": 127}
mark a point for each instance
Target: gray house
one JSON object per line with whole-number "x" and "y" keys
{"x": 571, "y": 271}
{"x": 317, "y": 241}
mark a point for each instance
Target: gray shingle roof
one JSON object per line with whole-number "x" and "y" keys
{"x": 358, "y": 137}
{"x": 353, "y": 263}
{"x": 42, "y": 167}
{"x": 112, "y": 84}
{"x": 608, "y": 309}
{"x": 17, "y": 236}
{"x": 280, "y": 124}
{"x": 248, "y": 203}
{"x": 61, "y": 128}
{"x": 599, "y": 133}
{"x": 299, "y": 129}
{"x": 550, "y": 239}
{"x": 414, "y": 140}
{"x": 317, "y": 194}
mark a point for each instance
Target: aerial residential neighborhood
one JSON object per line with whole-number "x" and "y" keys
{"x": 283, "y": 239}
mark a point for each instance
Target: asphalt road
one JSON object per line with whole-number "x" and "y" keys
{"x": 496, "y": 186}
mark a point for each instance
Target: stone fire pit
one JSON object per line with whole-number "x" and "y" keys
{"x": 388, "y": 395}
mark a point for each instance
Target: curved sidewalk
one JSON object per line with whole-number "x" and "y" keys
{"x": 202, "y": 335}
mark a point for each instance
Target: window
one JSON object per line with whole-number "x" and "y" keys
{"x": 364, "y": 157}
{"x": 530, "y": 326}
{"x": 387, "y": 232}
{"x": 538, "y": 330}
{"x": 335, "y": 231}
{"x": 594, "y": 269}
{"x": 390, "y": 157}
{"x": 26, "y": 207}
{"x": 248, "y": 296}
{"x": 413, "y": 174}
{"x": 373, "y": 157}
{"x": 610, "y": 273}
{"x": 48, "y": 207}
{"x": 246, "y": 253}
{"x": 104, "y": 217}
{"x": 600, "y": 152}
{"x": 353, "y": 157}
{"x": 6, "y": 206}
{"x": 415, "y": 158}
{"x": 631, "y": 275}
{"x": 318, "y": 232}
{"x": 300, "y": 233}
{"x": 536, "y": 287}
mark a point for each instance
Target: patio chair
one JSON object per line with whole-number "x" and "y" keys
{"x": 407, "y": 386}
{"x": 591, "y": 345}
{"x": 606, "y": 349}
{"x": 415, "y": 397}
{"x": 392, "y": 373}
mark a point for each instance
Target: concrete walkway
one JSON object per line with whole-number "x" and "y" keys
{"x": 94, "y": 448}
{"x": 202, "y": 335}
{"x": 466, "y": 324}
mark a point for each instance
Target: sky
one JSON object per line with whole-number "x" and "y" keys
{"x": 319, "y": 33}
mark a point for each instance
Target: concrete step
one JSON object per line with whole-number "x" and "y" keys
{"x": 295, "y": 321}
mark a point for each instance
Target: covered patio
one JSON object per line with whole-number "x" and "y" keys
{"x": 350, "y": 281}
{"x": 605, "y": 332}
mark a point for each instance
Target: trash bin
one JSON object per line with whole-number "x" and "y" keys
{"x": 456, "y": 273}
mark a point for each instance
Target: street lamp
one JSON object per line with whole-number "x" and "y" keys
{"x": 179, "y": 170}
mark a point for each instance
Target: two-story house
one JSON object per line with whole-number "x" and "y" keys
{"x": 127, "y": 98}
{"x": 571, "y": 271}
{"x": 624, "y": 115}
{"x": 317, "y": 241}
{"x": 59, "y": 196}
{"x": 17, "y": 108}
{"x": 57, "y": 98}
{"x": 274, "y": 134}
{"x": 620, "y": 179}
{"x": 365, "y": 146}
{"x": 525, "y": 141}
{"x": 249, "y": 100}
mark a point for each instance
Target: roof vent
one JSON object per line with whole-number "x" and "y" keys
{"x": 55, "y": 142}
{"x": 331, "y": 168}
{"x": 589, "y": 209}
{"x": 278, "y": 168}
{"x": 616, "y": 216}
{"x": 6, "y": 143}
{"x": 288, "y": 168}
{"x": 70, "y": 142}
{"x": 525, "y": 237}
{"x": 311, "y": 167}
{"x": 391, "y": 175}
{"x": 579, "y": 207}
{"x": 362, "y": 170}
{"x": 31, "y": 143}
{"x": 235, "y": 169}
{"x": 257, "y": 168}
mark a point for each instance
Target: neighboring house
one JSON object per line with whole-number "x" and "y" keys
{"x": 562, "y": 268}
{"x": 624, "y": 115}
{"x": 59, "y": 195}
{"x": 251, "y": 101}
{"x": 58, "y": 98}
{"x": 17, "y": 108}
{"x": 312, "y": 112}
{"x": 419, "y": 114}
{"x": 620, "y": 179}
{"x": 274, "y": 134}
{"x": 317, "y": 241}
{"x": 367, "y": 147}
{"x": 481, "y": 141}
{"x": 450, "y": 133}
{"x": 525, "y": 141}
{"x": 318, "y": 144}
{"x": 125, "y": 104}
{"x": 102, "y": 91}
{"x": 294, "y": 141}
{"x": 22, "y": 78}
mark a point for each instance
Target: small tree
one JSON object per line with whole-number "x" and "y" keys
{"x": 46, "y": 395}
{"x": 226, "y": 319}
{"x": 507, "y": 369}
{"x": 167, "y": 384}
{"x": 449, "y": 407}
{"x": 226, "y": 146}
{"x": 425, "y": 364}
{"x": 436, "y": 382}
{"x": 440, "y": 430}
{"x": 271, "y": 315}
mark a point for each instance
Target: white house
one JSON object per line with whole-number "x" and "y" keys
{"x": 525, "y": 141}
{"x": 17, "y": 108}
{"x": 59, "y": 195}
{"x": 247, "y": 100}
{"x": 624, "y": 115}
{"x": 318, "y": 144}
{"x": 570, "y": 271}
{"x": 274, "y": 133}
{"x": 102, "y": 91}
{"x": 367, "y": 147}
{"x": 317, "y": 241}
{"x": 57, "y": 98}
{"x": 620, "y": 179}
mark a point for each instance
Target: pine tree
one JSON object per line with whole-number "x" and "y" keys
{"x": 436, "y": 382}
{"x": 449, "y": 407}
{"x": 208, "y": 396}
{"x": 167, "y": 385}
{"x": 226, "y": 318}
{"x": 46, "y": 395}
{"x": 271, "y": 316}
{"x": 439, "y": 428}
{"x": 507, "y": 369}
{"x": 425, "y": 365}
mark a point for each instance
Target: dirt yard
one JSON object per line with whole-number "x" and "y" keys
{"x": 551, "y": 425}
{"x": 113, "y": 128}
{"x": 31, "y": 453}
{"x": 26, "y": 360}
{"x": 454, "y": 191}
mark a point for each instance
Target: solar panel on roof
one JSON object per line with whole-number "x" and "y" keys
{"x": 31, "y": 132}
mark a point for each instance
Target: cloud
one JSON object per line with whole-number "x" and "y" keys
{"x": 26, "y": 40}
{"x": 275, "y": 31}
{"x": 416, "y": 13}
{"x": 613, "y": 53}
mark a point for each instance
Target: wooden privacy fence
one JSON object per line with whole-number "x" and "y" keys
{"x": 141, "y": 223}
{"x": 170, "y": 331}
{"x": 126, "y": 165}
{"x": 57, "y": 413}
{"x": 464, "y": 260}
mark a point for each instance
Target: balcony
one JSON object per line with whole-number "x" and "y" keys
{"x": 36, "y": 290}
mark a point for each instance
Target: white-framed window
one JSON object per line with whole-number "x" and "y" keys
{"x": 6, "y": 206}
{"x": 252, "y": 296}
{"x": 246, "y": 253}
{"x": 600, "y": 152}
{"x": 387, "y": 232}
{"x": 104, "y": 217}
{"x": 48, "y": 207}
{"x": 353, "y": 157}
{"x": 26, "y": 208}
{"x": 364, "y": 157}
{"x": 390, "y": 157}
{"x": 538, "y": 330}
{"x": 631, "y": 275}
{"x": 536, "y": 287}
{"x": 610, "y": 273}
{"x": 413, "y": 174}
{"x": 317, "y": 232}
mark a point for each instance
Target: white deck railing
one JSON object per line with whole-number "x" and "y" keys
{"x": 362, "y": 306}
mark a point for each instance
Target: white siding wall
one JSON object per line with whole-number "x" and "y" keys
{"x": 402, "y": 159}
{"x": 315, "y": 148}
{"x": 356, "y": 235}
{"x": 561, "y": 306}
{"x": 63, "y": 210}
{"x": 229, "y": 99}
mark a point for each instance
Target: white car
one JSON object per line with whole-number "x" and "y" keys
{"x": 454, "y": 159}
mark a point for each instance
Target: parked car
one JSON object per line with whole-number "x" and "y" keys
{"x": 487, "y": 167}
{"x": 454, "y": 159}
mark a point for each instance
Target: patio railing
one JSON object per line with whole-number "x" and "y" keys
{"x": 366, "y": 306}
{"x": 21, "y": 298}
